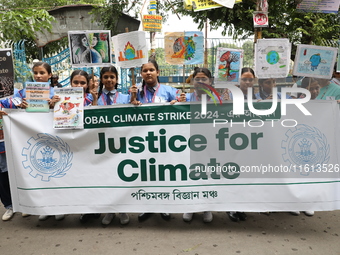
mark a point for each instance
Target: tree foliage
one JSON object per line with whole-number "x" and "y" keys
{"x": 114, "y": 8}
{"x": 20, "y": 19}
{"x": 285, "y": 21}
{"x": 17, "y": 25}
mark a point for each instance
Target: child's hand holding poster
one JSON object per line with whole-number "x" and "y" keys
{"x": 37, "y": 96}
{"x": 69, "y": 111}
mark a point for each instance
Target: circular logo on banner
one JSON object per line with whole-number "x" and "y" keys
{"x": 47, "y": 156}
{"x": 305, "y": 145}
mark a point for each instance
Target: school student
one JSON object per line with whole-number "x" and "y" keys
{"x": 266, "y": 89}
{"x": 152, "y": 91}
{"x": 108, "y": 95}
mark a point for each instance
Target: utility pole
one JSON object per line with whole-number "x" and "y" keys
{"x": 206, "y": 44}
{"x": 153, "y": 6}
{"x": 258, "y": 30}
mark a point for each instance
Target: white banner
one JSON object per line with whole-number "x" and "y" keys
{"x": 164, "y": 158}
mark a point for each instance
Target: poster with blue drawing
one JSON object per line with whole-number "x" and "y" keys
{"x": 314, "y": 61}
{"x": 227, "y": 67}
{"x": 184, "y": 48}
{"x": 272, "y": 58}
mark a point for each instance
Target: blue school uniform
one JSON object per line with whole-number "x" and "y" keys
{"x": 7, "y": 103}
{"x": 116, "y": 98}
{"x": 88, "y": 99}
{"x": 160, "y": 94}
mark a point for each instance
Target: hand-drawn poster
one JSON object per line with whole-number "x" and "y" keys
{"x": 69, "y": 111}
{"x": 228, "y": 67}
{"x": 314, "y": 61}
{"x": 37, "y": 96}
{"x": 130, "y": 49}
{"x": 272, "y": 58}
{"x": 90, "y": 48}
{"x": 6, "y": 73}
{"x": 184, "y": 48}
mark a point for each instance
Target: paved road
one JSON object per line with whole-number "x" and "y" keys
{"x": 278, "y": 233}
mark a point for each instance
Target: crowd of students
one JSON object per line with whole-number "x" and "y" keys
{"x": 103, "y": 91}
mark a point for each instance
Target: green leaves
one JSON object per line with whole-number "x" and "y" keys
{"x": 22, "y": 24}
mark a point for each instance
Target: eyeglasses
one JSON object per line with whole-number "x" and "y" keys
{"x": 247, "y": 79}
{"x": 79, "y": 82}
{"x": 201, "y": 79}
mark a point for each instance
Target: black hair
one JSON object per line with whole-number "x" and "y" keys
{"x": 152, "y": 61}
{"x": 44, "y": 65}
{"x": 261, "y": 81}
{"x": 81, "y": 73}
{"x": 104, "y": 70}
{"x": 204, "y": 70}
{"x": 248, "y": 70}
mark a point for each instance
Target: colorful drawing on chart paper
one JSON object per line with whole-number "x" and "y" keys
{"x": 228, "y": 65}
{"x": 130, "y": 53}
{"x": 69, "y": 111}
{"x": 272, "y": 58}
{"x": 90, "y": 48}
{"x": 130, "y": 49}
{"x": 37, "y": 96}
{"x": 314, "y": 61}
{"x": 184, "y": 48}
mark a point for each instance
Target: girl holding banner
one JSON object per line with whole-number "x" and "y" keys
{"x": 42, "y": 72}
{"x": 246, "y": 81}
{"x": 152, "y": 92}
{"x": 79, "y": 78}
{"x": 202, "y": 80}
{"x": 108, "y": 94}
